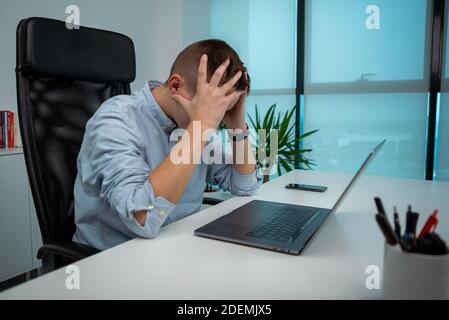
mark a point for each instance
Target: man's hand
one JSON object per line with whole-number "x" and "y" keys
{"x": 211, "y": 100}
{"x": 235, "y": 117}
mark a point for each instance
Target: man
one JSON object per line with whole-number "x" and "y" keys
{"x": 128, "y": 184}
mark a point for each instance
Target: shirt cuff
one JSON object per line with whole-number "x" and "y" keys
{"x": 245, "y": 184}
{"x": 157, "y": 208}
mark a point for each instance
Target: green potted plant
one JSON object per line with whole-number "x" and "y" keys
{"x": 281, "y": 124}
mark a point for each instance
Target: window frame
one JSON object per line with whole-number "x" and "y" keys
{"x": 434, "y": 50}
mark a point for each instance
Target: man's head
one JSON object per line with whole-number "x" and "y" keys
{"x": 183, "y": 74}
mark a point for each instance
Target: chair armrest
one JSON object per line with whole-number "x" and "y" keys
{"x": 72, "y": 250}
{"x": 211, "y": 201}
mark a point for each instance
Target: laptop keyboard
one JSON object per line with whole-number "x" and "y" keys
{"x": 286, "y": 226}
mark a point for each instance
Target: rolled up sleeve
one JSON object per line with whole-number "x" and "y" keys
{"x": 157, "y": 208}
{"x": 229, "y": 179}
{"x": 114, "y": 166}
{"x": 245, "y": 184}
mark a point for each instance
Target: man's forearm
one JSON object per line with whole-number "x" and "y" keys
{"x": 243, "y": 163}
{"x": 169, "y": 180}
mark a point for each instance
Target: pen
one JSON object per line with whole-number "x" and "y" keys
{"x": 430, "y": 224}
{"x": 397, "y": 228}
{"x": 386, "y": 229}
{"x": 380, "y": 206}
{"x": 409, "y": 238}
{"x": 415, "y": 217}
{"x": 397, "y": 225}
{"x": 384, "y": 224}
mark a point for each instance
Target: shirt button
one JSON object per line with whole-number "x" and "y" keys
{"x": 162, "y": 213}
{"x": 150, "y": 206}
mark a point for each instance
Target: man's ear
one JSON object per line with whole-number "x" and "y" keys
{"x": 175, "y": 83}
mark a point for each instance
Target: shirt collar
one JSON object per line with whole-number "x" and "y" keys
{"x": 155, "y": 109}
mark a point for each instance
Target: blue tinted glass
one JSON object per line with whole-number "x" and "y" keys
{"x": 272, "y": 43}
{"x": 264, "y": 33}
{"x": 363, "y": 61}
{"x": 442, "y": 147}
{"x": 236, "y": 33}
{"x": 343, "y": 42}
{"x": 442, "y": 163}
{"x": 352, "y": 124}
{"x": 445, "y": 84}
{"x": 263, "y": 102}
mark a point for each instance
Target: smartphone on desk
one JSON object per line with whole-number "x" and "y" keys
{"x": 306, "y": 187}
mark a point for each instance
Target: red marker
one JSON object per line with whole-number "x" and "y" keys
{"x": 430, "y": 224}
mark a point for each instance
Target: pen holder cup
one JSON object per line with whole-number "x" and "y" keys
{"x": 409, "y": 275}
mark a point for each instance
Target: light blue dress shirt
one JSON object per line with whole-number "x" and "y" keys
{"x": 125, "y": 139}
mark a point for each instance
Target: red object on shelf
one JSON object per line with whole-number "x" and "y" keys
{"x": 1, "y": 131}
{"x": 7, "y": 132}
{"x": 10, "y": 115}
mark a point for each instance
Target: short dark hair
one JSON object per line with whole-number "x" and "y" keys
{"x": 187, "y": 61}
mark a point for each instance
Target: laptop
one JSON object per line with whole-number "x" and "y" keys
{"x": 276, "y": 226}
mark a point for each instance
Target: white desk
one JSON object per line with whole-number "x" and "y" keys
{"x": 179, "y": 265}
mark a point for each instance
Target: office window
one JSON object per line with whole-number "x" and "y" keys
{"x": 442, "y": 160}
{"x": 366, "y": 79}
{"x": 442, "y": 139}
{"x": 263, "y": 32}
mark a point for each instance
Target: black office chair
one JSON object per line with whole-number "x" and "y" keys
{"x": 63, "y": 75}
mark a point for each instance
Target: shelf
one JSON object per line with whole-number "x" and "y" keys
{"x": 11, "y": 151}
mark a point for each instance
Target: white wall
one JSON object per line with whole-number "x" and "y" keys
{"x": 157, "y": 27}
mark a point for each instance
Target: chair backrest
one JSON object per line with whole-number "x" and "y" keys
{"x": 63, "y": 75}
